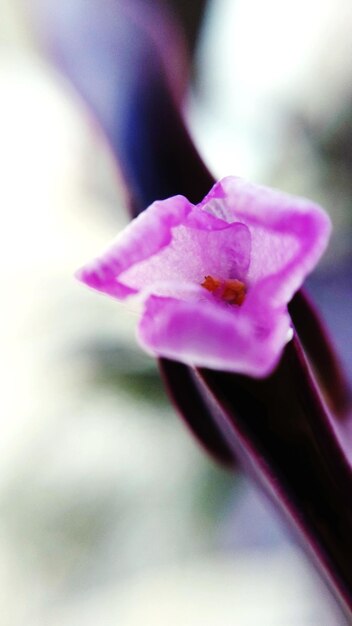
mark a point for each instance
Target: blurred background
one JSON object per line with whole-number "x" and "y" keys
{"x": 110, "y": 513}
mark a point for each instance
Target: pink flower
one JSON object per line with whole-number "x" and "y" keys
{"x": 215, "y": 278}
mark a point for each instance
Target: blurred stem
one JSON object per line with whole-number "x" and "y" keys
{"x": 190, "y": 15}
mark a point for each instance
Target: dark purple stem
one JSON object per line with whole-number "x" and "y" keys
{"x": 319, "y": 349}
{"x": 284, "y": 433}
{"x": 193, "y": 405}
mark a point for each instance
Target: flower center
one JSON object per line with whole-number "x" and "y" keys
{"x": 230, "y": 290}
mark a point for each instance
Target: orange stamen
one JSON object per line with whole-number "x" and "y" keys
{"x": 231, "y": 290}
{"x": 234, "y": 292}
{"x": 211, "y": 284}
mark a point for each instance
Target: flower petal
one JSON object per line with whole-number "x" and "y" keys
{"x": 193, "y": 253}
{"x": 288, "y": 234}
{"x": 146, "y": 235}
{"x": 213, "y": 336}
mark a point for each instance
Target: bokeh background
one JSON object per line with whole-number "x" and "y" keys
{"x": 110, "y": 513}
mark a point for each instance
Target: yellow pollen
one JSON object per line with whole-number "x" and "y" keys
{"x": 231, "y": 290}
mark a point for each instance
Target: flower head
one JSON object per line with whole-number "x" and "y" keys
{"x": 215, "y": 278}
